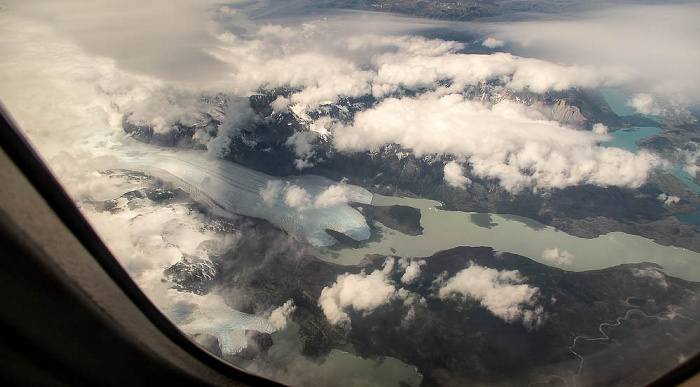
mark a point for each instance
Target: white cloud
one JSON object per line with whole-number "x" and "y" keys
{"x": 689, "y": 160}
{"x": 321, "y": 126}
{"x": 302, "y": 144}
{"x": 276, "y": 56}
{"x": 600, "y": 129}
{"x": 668, "y": 199}
{"x": 238, "y": 113}
{"x": 506, "y": 141}
{"x": 278, "y": 317}
{"x": 270, "y": 192}
{"x": 406, "y": 45}
{"x": 558, "y": 257}
{"x": 303, "y": 163}
{"x": 692, "y": 169}
{"x": 644, "y": 104}
{"x": 672, "y": 199}
{"x": 280, "y": 104}
{"x": 333, "y": 195}
{"x": 493, "y": 43}
{"x": 412, "y": 269}
{"x": 454, "y": 175}
{"x": 359, "y": 292}
{"x": 297, "y": 197}
{"x": 502, "y": 293}
{"x": 423, "y": 71}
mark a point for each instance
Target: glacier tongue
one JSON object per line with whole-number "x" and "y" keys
{"x": 304, "y": 206}
{"x": 213, "y": 317}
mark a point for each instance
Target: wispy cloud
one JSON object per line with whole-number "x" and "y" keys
{"x": 657, "y": 44}
{"x": 493, "y": 43}
{"x": 168, "y": 39}
{"x": 505, "y": 141}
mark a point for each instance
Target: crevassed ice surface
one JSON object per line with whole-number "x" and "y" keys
{"x": 301, "y": 205}
{"x": 213, "y": 317}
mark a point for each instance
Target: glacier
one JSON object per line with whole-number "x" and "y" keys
{"x": 209, "y": 314}
{"x": 228, "y": 188}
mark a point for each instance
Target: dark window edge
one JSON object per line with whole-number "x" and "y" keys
{"x": 27, "y": 160}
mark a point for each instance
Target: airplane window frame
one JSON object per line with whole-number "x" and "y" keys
{"x": 26, "y": 159}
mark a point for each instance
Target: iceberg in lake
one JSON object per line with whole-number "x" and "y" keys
{"x": 304, "y": 206}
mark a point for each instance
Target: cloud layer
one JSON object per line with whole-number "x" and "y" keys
{"x": 507, "y": 141}
{"x": 655, "y": 44}
{"x": 165, "y": 38}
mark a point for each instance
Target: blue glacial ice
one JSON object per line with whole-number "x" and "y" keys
{"x": 209, "y": 314}
{"x": 299, "y": 205}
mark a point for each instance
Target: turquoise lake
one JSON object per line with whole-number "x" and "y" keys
{"x": 617, "y": 102}
{"x": 627, "y": 139}
{"x": 692, "y": 218}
